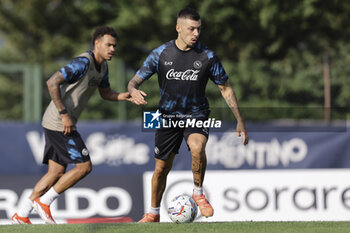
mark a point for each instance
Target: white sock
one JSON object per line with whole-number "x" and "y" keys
{"x": 197, "y": 190}
{"x": 154, "y": 210}
{"x": 49, "y": 196}
{"x": 25, "y": 208}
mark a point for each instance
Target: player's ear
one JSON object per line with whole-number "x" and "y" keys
{"x": 179, "y": 23}
{"x": 97, "y": 41}
{"x": 178, "y": 28}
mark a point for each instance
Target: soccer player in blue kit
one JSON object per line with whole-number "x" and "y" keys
{"x": 70, "y": 89}
{"x": 184, "y": 67}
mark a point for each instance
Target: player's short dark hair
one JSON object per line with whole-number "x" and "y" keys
{"x": 189, "y": 13}
{"x": 101, "y": 31}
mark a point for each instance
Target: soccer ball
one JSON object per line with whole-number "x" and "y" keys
{"x": 182, "y": 209}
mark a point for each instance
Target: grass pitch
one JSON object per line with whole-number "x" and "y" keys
{"x": 198, "y": 227}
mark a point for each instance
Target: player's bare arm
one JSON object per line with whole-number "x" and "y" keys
{"x": 229, "y": 95}
{"x": 133, "y": 88}
{"x": 53, "y": 84}
{"x": 109, "y": 94}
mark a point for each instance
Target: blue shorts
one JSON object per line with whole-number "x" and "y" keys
{"x": 64, "y": 149}
{"x": 168, "y": 140}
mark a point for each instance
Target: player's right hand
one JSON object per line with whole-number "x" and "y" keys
{"x": 241, "y": 129}
{"x": 67, "y": 124}
{"x": 139, "y": 97}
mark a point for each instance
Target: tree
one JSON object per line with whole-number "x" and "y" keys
{"x": 272, "y": 50}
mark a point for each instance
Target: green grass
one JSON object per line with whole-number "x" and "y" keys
{"x": 218, "y": 227}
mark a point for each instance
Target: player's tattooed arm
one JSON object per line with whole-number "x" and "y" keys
{"x": 133, "y": 88}
{"x": 134, "y": 83}
{"x": 229, "y": 95}
{"x": 109, "y": 94}
{"x": 53, "y": 84}
{"x": 230, "y": 98}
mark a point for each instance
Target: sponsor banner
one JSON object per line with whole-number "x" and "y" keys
{"x": 274, "y": 195}
{"x": 124, "y": 148}
{"x": 115, "y": 148}
{"x": 93, "y": 198}
{"x": 282, "y": 150}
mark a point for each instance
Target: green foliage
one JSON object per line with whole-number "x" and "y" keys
{"x": 272, "y": 50}
{"x": 10, "y": 93}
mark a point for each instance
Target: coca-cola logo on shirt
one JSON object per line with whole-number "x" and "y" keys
{"x": 191, "y": 75}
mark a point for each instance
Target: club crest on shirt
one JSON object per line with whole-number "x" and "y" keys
{"x": 85, "y": 152}
{"x": 156, "y": 150}
{"x": 197, "y": 64}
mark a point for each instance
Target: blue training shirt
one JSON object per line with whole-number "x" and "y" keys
{"x": 78, "y": 67}
{"x": 182, "y": 78}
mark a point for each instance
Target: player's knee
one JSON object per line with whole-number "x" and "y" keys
{"x": 158, "y": 171}
{"x": 161, "y": 171}
{"x": 55, "y": 175}
{"x": 197, "y": 149}
{"x": 87, "y": 169}
{"x": 84, "y": 169}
